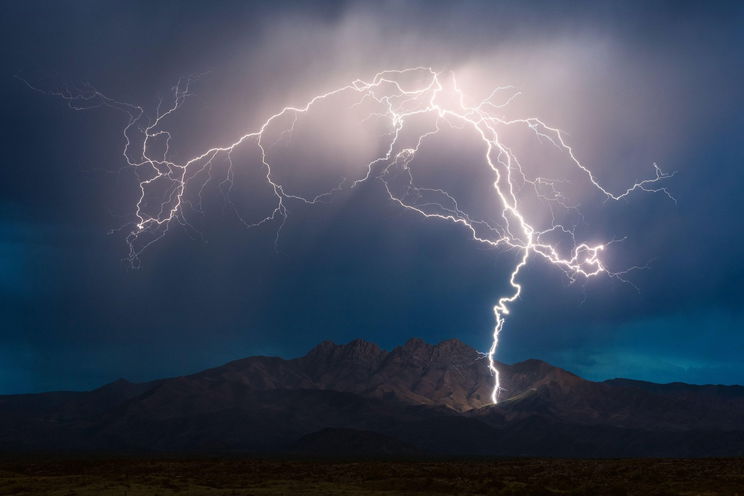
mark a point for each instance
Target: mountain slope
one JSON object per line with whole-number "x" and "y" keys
{"x": 416, "y": 398}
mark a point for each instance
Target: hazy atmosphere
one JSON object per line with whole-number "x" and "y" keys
{"x": 629, "y": 83}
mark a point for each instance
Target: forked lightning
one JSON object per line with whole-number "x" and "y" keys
{"x": 394, "y": 97}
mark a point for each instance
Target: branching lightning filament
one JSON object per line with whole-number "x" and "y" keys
{"x": 396, "y": 101}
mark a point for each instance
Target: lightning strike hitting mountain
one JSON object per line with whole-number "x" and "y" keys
{"x": 393, "y": 99}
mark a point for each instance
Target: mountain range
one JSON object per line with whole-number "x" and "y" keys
{"x": 358, "y": 399}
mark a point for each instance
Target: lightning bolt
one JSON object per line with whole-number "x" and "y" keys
{"x": 396, "y": 102}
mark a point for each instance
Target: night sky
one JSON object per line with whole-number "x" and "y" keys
{"x": 631, "y": 83}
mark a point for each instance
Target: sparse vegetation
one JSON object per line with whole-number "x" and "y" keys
{"x": 243, "y": 477}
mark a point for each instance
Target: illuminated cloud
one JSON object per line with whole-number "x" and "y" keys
{"x": 410, "y": 107}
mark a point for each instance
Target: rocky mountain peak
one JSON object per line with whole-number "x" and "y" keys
{"x": 416, "y": 344}
{"x": 435, "y": 397}
{"x": 455, "y": 348}
{"x": 357, "y": 348}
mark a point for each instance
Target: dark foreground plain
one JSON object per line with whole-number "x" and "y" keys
{"x": 242, "y": 477}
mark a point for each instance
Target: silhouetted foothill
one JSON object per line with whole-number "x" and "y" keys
{"x": 417, "y": 398}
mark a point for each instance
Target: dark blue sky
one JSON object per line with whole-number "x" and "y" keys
{"x": 630, "y": 83}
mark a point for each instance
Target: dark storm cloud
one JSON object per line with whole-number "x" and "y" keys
{"x": 631, "y": 83}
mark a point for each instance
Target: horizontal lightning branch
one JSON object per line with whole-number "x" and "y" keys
{"x": 396, "y": 103}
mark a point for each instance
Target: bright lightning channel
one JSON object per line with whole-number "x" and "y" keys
{"x": 397, "y": 104}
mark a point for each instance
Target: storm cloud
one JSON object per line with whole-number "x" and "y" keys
{"x": 630, "y": 83}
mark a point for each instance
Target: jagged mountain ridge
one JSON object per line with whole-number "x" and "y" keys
{"x": 426, "y": 398}
{"x": 450, "y": 373}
